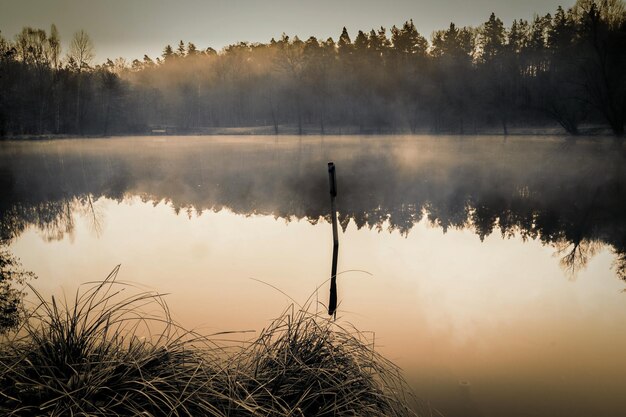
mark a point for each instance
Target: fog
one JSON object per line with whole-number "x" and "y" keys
{"x": 564, "y": 194}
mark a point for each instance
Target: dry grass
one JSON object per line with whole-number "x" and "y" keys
{"x": 85, "y": 358}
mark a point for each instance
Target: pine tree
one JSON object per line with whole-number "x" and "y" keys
{"x": 344, "y": 44}
{"x": 180, "y": 51}
{"x": 168, "y": 53}
{"x": 492, "y": 37}
{"x": 191, "y": 49}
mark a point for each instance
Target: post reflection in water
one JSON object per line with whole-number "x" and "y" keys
{"x": 496, "y": 267}
{"x": 332, "y": 300}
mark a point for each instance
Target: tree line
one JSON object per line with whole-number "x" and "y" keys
{"x": 566, "y": 69}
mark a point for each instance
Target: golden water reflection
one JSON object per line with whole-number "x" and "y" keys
{"x": 488, "y": 328}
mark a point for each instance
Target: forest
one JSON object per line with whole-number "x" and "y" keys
{"x": 564, "y": 70}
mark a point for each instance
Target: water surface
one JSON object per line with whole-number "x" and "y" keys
{"x": 490, "y": 269}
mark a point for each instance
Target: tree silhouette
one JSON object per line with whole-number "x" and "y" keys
{"x": 12, "y": 278}
{"x": 562, "y": 69}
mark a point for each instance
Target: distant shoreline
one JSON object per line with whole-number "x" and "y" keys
{"x": 594, "y": 131}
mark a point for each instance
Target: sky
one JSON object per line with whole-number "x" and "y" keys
{"x": 132, "y": 28}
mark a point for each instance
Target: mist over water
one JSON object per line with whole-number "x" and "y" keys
{"x": 496, "y": 264}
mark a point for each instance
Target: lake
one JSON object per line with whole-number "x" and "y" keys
{"x": 491, "y": 269}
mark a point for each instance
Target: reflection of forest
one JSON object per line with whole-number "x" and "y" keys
{"x": 569, "y": 196}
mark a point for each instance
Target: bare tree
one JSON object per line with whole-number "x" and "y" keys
{"x": 81, "y": 50}
{"x": 81, "y": 54}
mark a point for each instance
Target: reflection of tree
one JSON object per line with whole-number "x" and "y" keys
{"x": 93, "y": 213}
{"x": 576, "y": 255}
{"x": 568, "y": 197}
{"x": 620, "y": 265}
{"x": 54, "y": 219}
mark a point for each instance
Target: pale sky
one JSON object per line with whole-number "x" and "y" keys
{"x": 132, "y": 28}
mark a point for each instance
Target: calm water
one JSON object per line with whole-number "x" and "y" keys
{"x": 491, "y": 270}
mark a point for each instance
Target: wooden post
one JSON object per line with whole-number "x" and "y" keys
{"x": 332, "y": 302}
